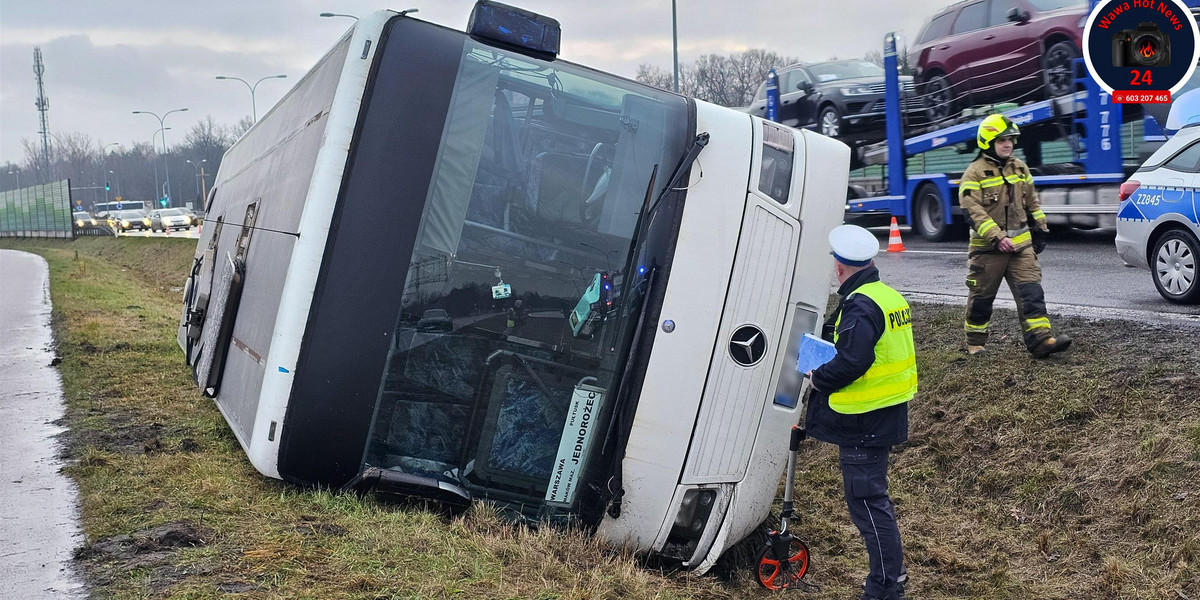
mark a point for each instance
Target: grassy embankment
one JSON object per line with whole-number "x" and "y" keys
{"x": 1077, "y": 478}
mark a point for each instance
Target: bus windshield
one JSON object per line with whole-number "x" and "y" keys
{"x": 513, "y": 324}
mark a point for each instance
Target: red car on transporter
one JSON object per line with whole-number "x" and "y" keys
{"x": 984, "y": 51}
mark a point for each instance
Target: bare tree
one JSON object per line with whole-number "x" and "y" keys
{"x": 726, "y": 80}
{"x": 654, "y": 76}
{"x": 241, "y": 127}
{"x": 78, "y": 154}
{"x": 207, "y": 140}
{"x": 35, "y": 170}
{"x": 874, "y": 56}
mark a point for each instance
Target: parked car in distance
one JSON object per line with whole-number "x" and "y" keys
{"x": 839, "y": 99}
{"x": 435, "y": 319}
{"x": 124, "y": 220}
{"x": 84, "y": 219}
{"x": 984, "y": 51}
{"x": 170, "y": 218}
{"x": 1157, "y": 222}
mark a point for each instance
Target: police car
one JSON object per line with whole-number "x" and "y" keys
{"x": 1157, "y": 225}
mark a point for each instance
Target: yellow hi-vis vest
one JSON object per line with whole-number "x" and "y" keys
{"x": 892, "y": 378}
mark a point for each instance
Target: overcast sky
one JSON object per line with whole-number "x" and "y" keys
{"x": 105, "y": 59}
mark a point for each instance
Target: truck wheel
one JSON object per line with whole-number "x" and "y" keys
{"x": 928, "y": 214}
{"x": 1058, "y": 68}
{"x": 1173, "y": 265}
{"x": 830, "y": 121}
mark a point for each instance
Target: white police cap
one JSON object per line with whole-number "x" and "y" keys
{"x": 853, "y": 245}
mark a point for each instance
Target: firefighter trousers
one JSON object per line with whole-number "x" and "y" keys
{"x": 985, "y": 270}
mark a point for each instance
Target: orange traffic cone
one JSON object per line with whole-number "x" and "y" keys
{"x": 894, "y": 243}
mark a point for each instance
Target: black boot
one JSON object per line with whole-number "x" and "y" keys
{"x": 1052, "y": 345}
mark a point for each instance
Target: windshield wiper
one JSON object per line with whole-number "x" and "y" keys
{"x": 648, "y": 208}
{"x": 622, "y": 416}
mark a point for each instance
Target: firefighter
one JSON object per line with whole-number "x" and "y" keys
{"x": 859, "y": 400}
{"x": 1008, "y": 231}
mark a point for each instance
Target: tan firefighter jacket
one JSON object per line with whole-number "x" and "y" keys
{"x": 999, "y": 202}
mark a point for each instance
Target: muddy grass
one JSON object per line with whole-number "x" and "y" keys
{"x": 1077, "y": 477}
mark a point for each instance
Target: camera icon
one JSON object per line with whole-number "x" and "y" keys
{"x": 1145, "y": 46}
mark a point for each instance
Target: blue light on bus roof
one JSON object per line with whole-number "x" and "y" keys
{"x": 515, "y": 27}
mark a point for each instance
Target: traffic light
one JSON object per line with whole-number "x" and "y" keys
{"x": 106, "y": 186}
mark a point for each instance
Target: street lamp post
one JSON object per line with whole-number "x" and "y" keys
{"x": 675, "y": 45}
{"x": 329, "y": 14}
{"x": 197, "y": 167}
{"x": 253, "y": 106}
{"x": 16, "y": 174}
{"x": 162, "y": 128}
{"x": 104, "y": 151}
{"x": 118, "y": 176}
{"x": 154, "y": 146}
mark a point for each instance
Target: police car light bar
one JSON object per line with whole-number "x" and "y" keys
{"x": 511, "y": 26}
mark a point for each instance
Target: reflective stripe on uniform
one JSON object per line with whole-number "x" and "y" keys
{"x": 1036, "y": 323}
{"x": 969, "y": 185}
{"x": 1038, "y": 214}
{"x": 905, "y": 388}
{"x": 1018, "y": 178}
{"x": 986, "y": 226}
{"x": 969, "y": 328}
{"x": 991, "y": 182}
{"x": 1021, "y": 238}
{"x": 877, "y": 371}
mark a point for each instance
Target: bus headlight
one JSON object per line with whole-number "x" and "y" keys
{"x": 124, "y": 224}
{"x": 693, "y": 513}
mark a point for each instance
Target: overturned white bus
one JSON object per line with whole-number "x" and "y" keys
{"x": 451, "y": 266}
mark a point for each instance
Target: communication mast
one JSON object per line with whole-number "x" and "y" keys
{"x": 43, "y": 105}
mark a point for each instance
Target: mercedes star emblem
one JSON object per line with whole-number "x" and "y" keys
{"x": 747, "y": 346}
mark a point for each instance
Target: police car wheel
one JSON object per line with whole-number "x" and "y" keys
{"x": 1174, "y": 265}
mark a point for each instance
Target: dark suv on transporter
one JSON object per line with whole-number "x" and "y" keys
{"x": 840, "y": 99}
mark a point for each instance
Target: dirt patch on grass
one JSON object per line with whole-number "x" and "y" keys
{"x": 153, "y": 550}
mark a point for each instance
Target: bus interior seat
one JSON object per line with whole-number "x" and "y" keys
{"x": 501, "y": 166}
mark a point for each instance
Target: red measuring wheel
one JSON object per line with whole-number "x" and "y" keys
{"x": 775, "y": 573}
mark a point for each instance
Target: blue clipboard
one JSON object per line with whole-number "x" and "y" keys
{"x": 813, "y": 353}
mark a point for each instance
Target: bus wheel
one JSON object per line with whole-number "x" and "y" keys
{"x": 928, "y": 214}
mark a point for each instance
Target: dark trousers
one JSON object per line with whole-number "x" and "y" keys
{"x": 985, "y": 272}
{"x": 864, "y": 477}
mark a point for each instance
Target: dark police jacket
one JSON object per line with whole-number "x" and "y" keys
{"x": 861, "y": 327}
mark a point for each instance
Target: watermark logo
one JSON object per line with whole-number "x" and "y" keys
{"x": 1141, "y": 50}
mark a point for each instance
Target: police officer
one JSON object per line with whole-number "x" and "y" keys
{"x": 859, "y": 400}
{"x": 1008, "y": 231}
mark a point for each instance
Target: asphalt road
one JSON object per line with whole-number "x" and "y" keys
{"x": 39, "y": 527}
{"x": 1081, "y": 274}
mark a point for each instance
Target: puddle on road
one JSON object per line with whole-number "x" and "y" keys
{"x": 39, "y": 526}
